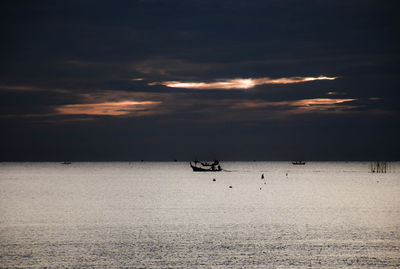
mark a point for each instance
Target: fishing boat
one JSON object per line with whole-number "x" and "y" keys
{"x": 298, "y": 162}
{"x": 205, "y": 166}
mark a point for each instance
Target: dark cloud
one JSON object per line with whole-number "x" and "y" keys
{"x": 86, "y": 54}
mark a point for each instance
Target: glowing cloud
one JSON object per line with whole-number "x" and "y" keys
{"x": 331, "y": 93}
{"x": 107, "y": 108}
{"x": 315, "y": 104}
{"x": 238, "y": 83}
{"x": 320, "y": 101}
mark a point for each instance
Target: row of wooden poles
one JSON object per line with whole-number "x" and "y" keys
{"x": 380, "y": 167}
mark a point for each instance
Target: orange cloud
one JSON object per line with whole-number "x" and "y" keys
{"x": 320, "y": 101}
{"x": 238, "y": 83}
{"x": 107, "y": 108}
{"x": 315, "y": 104}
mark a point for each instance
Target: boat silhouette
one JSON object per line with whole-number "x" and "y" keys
{"x": 205, "y": 166}
{"x": 298, "y": 162}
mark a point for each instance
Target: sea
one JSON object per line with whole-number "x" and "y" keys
{"x": 164, "y": 215}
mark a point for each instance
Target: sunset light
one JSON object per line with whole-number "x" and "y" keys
{"x": 200, "y": 134}
{"x": 315, "y": 104}
{"x": 107, "y": 108}
{"x": 239, "y": 83}
{"x": 320, "y": 101}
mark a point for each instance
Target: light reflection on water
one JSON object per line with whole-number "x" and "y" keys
{"x": 158, "y": 215}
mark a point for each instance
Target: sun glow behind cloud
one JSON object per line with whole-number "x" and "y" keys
{"x": 107, "y": 108}
{"x": 239, "y": 83}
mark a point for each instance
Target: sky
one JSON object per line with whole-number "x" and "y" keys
{"x": 199, "y": 79}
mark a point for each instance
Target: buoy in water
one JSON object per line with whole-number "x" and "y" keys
{"x": 230, "y": 187}
{"x": 214, "y": 179}
{"x": 262, "y": 176}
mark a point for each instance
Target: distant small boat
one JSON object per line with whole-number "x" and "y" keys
{"x": 298, "y": 162}
{"x": 205, "y": 166}
{"x": 66, "y": 162}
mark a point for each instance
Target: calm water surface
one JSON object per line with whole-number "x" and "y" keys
{"x": 163, "y": 215}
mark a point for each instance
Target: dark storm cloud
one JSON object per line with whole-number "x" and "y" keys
{"x": 71, "y": 68}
